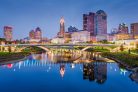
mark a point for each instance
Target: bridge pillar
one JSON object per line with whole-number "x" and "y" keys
{"x": 9, "y": 49}
{"x": 1, "y": 48}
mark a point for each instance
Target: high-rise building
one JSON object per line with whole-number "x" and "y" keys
{"x": 134, "y": 30}
{"x": 35, "y": 34}
{"x": 38, "y": 33}
{"x": 72, "y": 29}
{"x": 8, "y": 33}
{"x": 88, "y": 22}
{"x": 95, "y": 72}
{"x": 32, "y": 34}
{"x": 96, "y": 24}
{"x": 62, "y": 27}
{"x": 114, "y": 31}
{"x": 123, "y": 28}
{"x": 101, "y": 23}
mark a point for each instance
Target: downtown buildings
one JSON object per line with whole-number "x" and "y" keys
{"x": 94, "y": 29}
{"x": 123, "y": 36}
{"x": 134, "y": 30}
{"x": 80, "y": 36}
{"x": 96, "y": 25}
{"x": 8, "y": 34}
{"x": 61, "y": 34}
{"x": 35, "y": 35}
{"x": 62, "y": 28}
{"x": 89, "y": 23}
{"x": 72, "y": 36}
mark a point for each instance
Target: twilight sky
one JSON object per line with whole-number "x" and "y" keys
{"x": 25, "y": 15}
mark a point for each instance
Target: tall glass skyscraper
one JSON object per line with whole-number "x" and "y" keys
{"x": 8, "y": 33}
{"x": 100, "y": 23}
{"x": 88, "y": 23}
{"x": 96, "y": 24}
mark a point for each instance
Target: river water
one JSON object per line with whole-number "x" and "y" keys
{"x": 66, "y": 72}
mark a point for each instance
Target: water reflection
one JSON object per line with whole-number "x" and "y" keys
{"x": 95, "y": 72}
{"x": 71, "y": 66}
{"x": 134, "y": 76}
{"x": 64, "y": 57}
{"x": 62, "y": 70}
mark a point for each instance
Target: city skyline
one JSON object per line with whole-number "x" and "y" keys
{"x": 25, "y": 15}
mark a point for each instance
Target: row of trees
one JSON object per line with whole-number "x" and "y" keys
{"x": 10, "y": 42}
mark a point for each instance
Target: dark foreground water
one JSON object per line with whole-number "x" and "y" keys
{"x": 53, "y": 73}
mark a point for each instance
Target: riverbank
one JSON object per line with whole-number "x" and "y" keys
{"x": 6, "y": 56}
{"x": 130, "y": 61}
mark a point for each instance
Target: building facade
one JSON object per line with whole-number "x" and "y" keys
{"x": 96, "y": 24}
{"x": 32, "y": 34}
{"x": 72, "y": 29}
{"x": 35, "y": 35}
{"x": 88, "y": 23}
{"x": 101, "y": 23}
{"x": 38, "y": 33}
{"x": 58, "y": 40}
{"x": 8, "y": 33}
{"x": 123, "y": 28}
{"x": 81, "y": 36}
{"x": 134, "y": 30}
{"x": 62, "y": 28}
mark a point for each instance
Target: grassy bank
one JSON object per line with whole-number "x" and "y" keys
{"x": 93, "y": 49}
{"x": 97, "y": 49}
{"x": 134, "y": 51}
{"x": 6, "y": 56}
{"x": 130, "y": 60}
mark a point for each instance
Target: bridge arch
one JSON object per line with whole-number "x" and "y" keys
{"x": 42, "y": 47}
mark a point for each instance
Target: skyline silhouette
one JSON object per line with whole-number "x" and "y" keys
{"x": 25, "y": 15}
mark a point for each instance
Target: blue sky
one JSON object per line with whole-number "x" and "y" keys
{"x": 25, "y": 15}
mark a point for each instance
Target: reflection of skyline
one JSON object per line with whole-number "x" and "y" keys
{"x": 61, "y": 57}
{"x": 62, "y": 70}
{"x": 95, "y": 72}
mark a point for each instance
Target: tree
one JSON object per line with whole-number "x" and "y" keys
{"x": 2, "y": 39}
{"x": 121, "y": 48}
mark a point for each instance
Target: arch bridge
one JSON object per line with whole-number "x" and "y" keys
{"x": 20, "y": 47}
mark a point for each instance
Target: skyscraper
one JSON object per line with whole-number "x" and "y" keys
{"x": 101, "y": 23}
{"x": 123, "y": 28}
{"x": 62, "y": 27}
{"x": 8, "y": 33}
{"x": 72, "y": 29}
{"x": 38, "y": 33}
{"x": 88, "y": 22}
{"x": 134, "y": 30}
{"x": 35, "y": 34}
{"x": 32, "y": 34}
{"x": 96, "y": 24}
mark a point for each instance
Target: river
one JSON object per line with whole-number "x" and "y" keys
{"x": 66, "y": 72}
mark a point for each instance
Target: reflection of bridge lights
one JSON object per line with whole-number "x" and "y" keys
{"x": 49, "y": 67}
{"x": 81, "y": 69}
{"x": 123, "y": 71}
{"x": 9, "y": 66}
{"x": 72, "y": 66}
{"x": 20, "y": 63}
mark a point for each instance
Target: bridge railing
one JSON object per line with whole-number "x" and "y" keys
{"x": 60, "y": 45}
